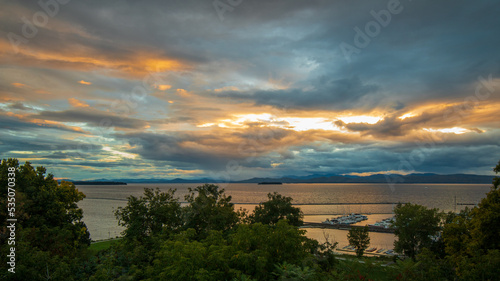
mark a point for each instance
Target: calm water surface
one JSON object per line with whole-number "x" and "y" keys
{"x": 102, "y": 200}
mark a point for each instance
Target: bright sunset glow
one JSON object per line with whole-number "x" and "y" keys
{"x": 454, "y": 130}
{"x": 305, "y": 124}
{"x": 119, "y": 153}
{"x": 360, "y": 119}
{"x": 407, "y": 115}
{"x": 267, "y": 120}
{"x": 164, "y": 87}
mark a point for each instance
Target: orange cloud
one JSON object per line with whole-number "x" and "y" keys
{"x": 12, "y": 114}
{"x": 227, "y": 88}
{"x": 163, "y": 87}
{"x": 43, "y": 122}
{"x": 19, "y": 85}
{"x": 84, "y": 82}
{"x": 183, "y": 93}
{"x": 77, "y": 103}
{"x": 138, "y": 63}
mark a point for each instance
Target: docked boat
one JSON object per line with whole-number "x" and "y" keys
{"x": 371, "y": 249}
{"x": 385, "y": 223}
{"x": 346, "y": 219}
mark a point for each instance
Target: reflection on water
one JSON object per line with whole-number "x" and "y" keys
{"x": 377, "y": 239}
{"x": 101, "y": 201}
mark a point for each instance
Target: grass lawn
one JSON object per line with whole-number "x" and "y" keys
{"x": 366, "y": 269}
{"x": 103, "y": 245}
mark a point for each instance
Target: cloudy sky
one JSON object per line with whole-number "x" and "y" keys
{"x": 239, "y": 88}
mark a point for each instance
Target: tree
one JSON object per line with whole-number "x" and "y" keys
{"x": 277, "y": 207}
{"x": 496, "y": 180}
{"x": 151, "y": 214}
{"x": 485, "y": 222}
{"x": 359, "y": 237}
{"x": 50, "y": 233}
{"x": 254, "y": 250}
{"x": 47, "y": 212}
{"x": 456, "y": 234}
{"x": 288, "y": 271}
{"x": 416, "y": 227}
{"x": 259, "y": 248}
{"x": 209, "y": 209}
{"x": 471, "y": 237}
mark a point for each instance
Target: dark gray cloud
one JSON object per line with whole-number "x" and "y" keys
{"x": 444, "y": 117}
{"x": 169, "y": 149}
{"x": 16, "y": 124}
{"x": 18, "y": 106}
{"x": 93, "y": 118}
{"x": 66, "y": 155}
{"x": 444, "y": 158}
{"x": 94, "y": 164}
{"x": 327, "y": 93}
{"x": 426, "y": 52}
{"x": 212, "y": 151}
{"x": 33, "y": 142}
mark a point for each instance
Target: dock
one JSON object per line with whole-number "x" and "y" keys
{"x": 346, "y": 227}
{"x": 352, "y": 203}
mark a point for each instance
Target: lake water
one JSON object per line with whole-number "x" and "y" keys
{"x": 317, "y": 201}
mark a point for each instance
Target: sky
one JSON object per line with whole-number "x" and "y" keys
{"x": 235, "y": 89}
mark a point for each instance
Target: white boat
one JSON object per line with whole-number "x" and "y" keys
{"x": 346, "y": 219}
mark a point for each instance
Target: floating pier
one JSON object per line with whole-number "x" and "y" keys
{"x": 346, "y": 227}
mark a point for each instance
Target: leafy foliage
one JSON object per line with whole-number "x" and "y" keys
{"x": 471, "y": 237}
{"x": 359, "y": 237}
{"x": 150, "y": 215}
{"x": 208, "y": 240}
{"x": 209, "y": 209}
{"x": 415, "y": 227}
{"x": 253, "y": 250}
{"x": 278, "y": 207}
{"x": 50, "y": 234}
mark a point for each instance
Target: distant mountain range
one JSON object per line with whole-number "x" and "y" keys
{"x": 376, "y": 178}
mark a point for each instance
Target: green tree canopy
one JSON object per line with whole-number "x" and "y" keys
{"x": 209, "y": 209}
{"x": 251, "y": 250}
{"x": 471, "y": 237}
{"x": 359, "y": 237}
{"x": 50, "y": 233}
{"x": 485, "y": 222}
{"x": 47, "y": 211}
{"x": 276, "y": 208}
{"x": 151, "y": 214}
{"x": 416, "y": 227}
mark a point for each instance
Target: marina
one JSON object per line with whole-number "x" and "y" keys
{"x": 346, "y": 227}
{"x": 370, "y": 251}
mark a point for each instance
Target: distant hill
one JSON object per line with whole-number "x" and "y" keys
{"x": 96, "y": 182}
{"x": 376, "y": 178}
{"x": 382, "y": 178}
